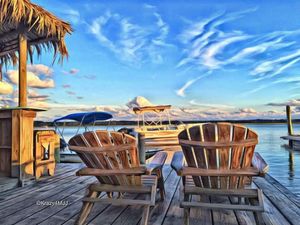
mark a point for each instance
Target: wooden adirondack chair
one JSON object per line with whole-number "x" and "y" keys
{"x": 113, "y": 158}
{"x": 220, "y": 161}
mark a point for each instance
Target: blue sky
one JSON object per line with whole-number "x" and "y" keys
{"x": 210, "y": 59}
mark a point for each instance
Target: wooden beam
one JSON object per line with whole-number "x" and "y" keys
{"x": 13, "y": 48}
{"x": 12, "y": 34}
{"x": 42, "y": 40}
{"x": 22, "y": 70}
{"x": 3, "y": 53}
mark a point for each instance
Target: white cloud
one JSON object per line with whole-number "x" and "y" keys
{"x": 248, "y": 110}
{"x": 206, "y": 43}
{"x": 255, "y": 49}
{"x": 209, "y": 54}
{"x": 204, "y": 39}
{"x": 5, "y": 88}
{"x": 177, "y": 113}
{"x": 139, "y": 101}
{"x": 7, "y": 101}
{"x": 40, "y": 69}
{"x": 132, "y": 42}
{"x": 148, "y": 6}
{"x": 35, "y": 96}
{"x": 71, "y": 15}
{"x": 194, "y": 102}
{"x": 285, "y": 80}
{"x": 276, "y": 66}
{"x": 33, "y": 80}
{"x": 181, "y": 91}
{"x": 291, "y": 102}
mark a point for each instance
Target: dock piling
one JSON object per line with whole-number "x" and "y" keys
{"x": 289, "y": 123}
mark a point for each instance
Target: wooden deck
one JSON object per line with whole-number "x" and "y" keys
{"x": 28, "y": 205}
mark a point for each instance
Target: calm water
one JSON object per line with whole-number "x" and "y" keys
{"x": 284, "y": 164}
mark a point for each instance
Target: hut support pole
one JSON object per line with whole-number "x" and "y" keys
{"x": 22, "y": 70}
{"x": 289, "y": 123}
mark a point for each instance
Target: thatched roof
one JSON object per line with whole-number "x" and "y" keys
{"x": 42, "y": 29}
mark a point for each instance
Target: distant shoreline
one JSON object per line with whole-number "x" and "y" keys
{"x": 134, "y": 123}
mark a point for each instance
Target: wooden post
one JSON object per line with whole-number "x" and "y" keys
{"x": 291, "y": 165}
{"x": 289, "y": 123}
{"x": 1, "y": 75}
{"x": 22, "y": 143}
{"x": 141, "y": 147}
{"x": 22, "y": 70}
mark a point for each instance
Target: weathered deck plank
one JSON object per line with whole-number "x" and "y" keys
{"x": 174, "y": 215}
{"x": 157, "y": 213}
{"x": 293, "y": 197}
{"x": 120, "y": 212}
{"x": 19, "y": 206}
{"x": 63, "y": 171}
{"x": 26, "y": 199}
{"x": 41, "y": 213}
{"x": 286, "y": 207}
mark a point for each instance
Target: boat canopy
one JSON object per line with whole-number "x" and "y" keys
{"x": 86, "y": 118}
{"x": 154, "y": 108}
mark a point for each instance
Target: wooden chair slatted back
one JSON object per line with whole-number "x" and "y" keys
{"x": 229, "y": 155}
{"x": 109, "y": 158}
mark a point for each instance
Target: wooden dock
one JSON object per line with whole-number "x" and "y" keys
{"x": 31, "y": 204}
{"x": 294, "y": 141}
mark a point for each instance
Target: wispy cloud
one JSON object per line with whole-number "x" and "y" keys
{"x": 292, "y": 102}
{"x": 204, "y": 40}
{"x": 131, "y": 41}
{"x": 71, "y": 15}
{"x": 181, "y": 91}
{"x": 253, "y": 50}
{"x": 207, "y": 45}
{"x": 209, "y": 55}
{"x": 194, "y": 102}
{"x": 274, "y": 67}
{"x": 285, "y": 80}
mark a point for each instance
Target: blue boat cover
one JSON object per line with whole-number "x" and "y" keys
{"x": 86, "y": 118}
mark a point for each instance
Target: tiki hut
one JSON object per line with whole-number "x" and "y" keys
{"x": 25, "y": 29}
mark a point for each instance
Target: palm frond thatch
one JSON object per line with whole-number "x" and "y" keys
{"x": 42, "y": 29}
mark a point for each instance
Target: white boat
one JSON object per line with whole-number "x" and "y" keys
{"x": 155, "y": 130}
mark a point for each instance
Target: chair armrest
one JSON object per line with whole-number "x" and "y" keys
{"x": 193, "y": 171}
{"x": 259, "y": 163}
{"x": 177, "y": 162}
{"x": 157, "y": 162}
{"x": 109, "y": 172}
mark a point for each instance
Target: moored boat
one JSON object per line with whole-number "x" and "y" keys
{"x": 154, "y": 129}
{"x": 86, "y": 120}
